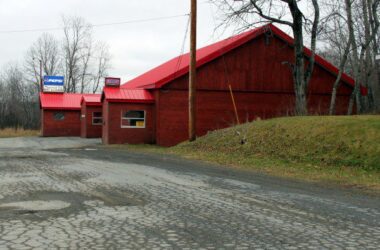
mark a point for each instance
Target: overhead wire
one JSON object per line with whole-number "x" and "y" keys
{"x": 95, "y": 25}
{"x": 179, "y": 61}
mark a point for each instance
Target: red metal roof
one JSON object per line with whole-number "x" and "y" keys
{"x": 179, "y": 66}
{"x": 92, "y": 100}
{"x": 127, "y": 95}
{"x": 62, "y": 101}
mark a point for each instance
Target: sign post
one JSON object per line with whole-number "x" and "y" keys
{"x": 41, "y": 82}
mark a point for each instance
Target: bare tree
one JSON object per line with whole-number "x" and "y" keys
{"x": 82, "y": 61}
{"x": 85, "y": 60}
{"x": 285, "y": 12}
{"x": 364, "y": 62}
{"x": 3, "y": 102}
{"x": 102, "y": 64}
{"x": 335, "y": 33}
{"x": 43, "y": 52}
{"x": 374, "y": 27}
{"x": 352, "y": 32}
{"x": 76, "y": 52}
{"x": 18, "y": 102}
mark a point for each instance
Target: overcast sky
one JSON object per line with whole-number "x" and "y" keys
{"x": 135, "y": 48}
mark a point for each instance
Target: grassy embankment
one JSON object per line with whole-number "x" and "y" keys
{"x": 338, "y": 150}
{"x": 11, "y": 132}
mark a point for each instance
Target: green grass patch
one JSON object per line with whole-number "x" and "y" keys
{"x": 337, "y": 149}
{"x": 12, "y": 132}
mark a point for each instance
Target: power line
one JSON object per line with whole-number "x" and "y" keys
{"x": 95, "y": 25}
{"x": 179, "y": 61}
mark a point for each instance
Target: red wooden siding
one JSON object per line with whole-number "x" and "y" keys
{"x": 262, "y": 85}
{"x": 113, "y": 133}
{"x": 83, "y": 121}
{"x": 70, "y": 126}
{"x": 106, "y": 122}
{"x": 88, "y": 130}
{"x": 257, "y": 66}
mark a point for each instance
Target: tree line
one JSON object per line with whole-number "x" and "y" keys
{"x": 345, "y": 32}
{"x": 83, "y": 62}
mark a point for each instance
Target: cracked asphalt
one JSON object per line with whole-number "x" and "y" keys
{"x": 71, "y": 193}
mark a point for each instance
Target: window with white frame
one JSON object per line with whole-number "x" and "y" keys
{"x": 133, "y": 119}
{"x": 97, "y": 118}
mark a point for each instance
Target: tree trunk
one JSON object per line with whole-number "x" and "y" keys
{"x": 337, "y": 81}
{"x": 299, "y": 67}
{"x": 374, "y": 24}
{"x": 356, "y": 92}
{"x": 366, "y": 62}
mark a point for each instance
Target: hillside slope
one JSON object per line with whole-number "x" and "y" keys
{"x": 339, "y": 149}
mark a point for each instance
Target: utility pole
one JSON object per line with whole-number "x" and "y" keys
{"x": 192, "y": 71}
{"x": 41, "y": 83}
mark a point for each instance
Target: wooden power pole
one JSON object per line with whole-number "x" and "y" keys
{"x": 41, "y": 80}
{"x": 192, "y": 71}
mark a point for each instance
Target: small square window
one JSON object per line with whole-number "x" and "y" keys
{"x": 133, "y": 119}
{"x": 59, "y": 116}
{"x": 97, "y": 118}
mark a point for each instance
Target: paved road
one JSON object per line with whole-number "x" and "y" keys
{"x": 75, "y": 194}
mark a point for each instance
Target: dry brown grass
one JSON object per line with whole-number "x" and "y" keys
{"x": 12, "y": 132}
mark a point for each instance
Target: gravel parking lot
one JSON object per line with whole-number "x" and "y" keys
{"x": 74, "y": 193}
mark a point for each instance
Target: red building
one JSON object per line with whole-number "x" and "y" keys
{"x": 128, "y": 115}
{"x": 91, "y": 116}
{"x": 60, "y": 114}
{"x": 153, "y": 108}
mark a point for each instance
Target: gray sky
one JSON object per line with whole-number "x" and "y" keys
{"x": 135, "y": 48}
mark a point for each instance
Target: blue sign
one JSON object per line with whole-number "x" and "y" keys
{"x": 54, "y": 80}
{"x": 53, "y": 83}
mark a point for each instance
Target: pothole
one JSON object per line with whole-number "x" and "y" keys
{"x": 36, "y": 205}
{"x": 44, "y": 204}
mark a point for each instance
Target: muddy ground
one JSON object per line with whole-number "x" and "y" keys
{"x": 74, "y": 193}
